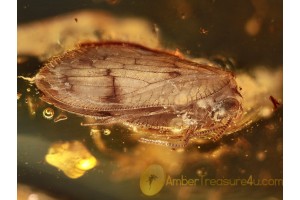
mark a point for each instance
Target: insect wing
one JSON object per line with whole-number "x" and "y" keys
{"x": 109, "y": 77}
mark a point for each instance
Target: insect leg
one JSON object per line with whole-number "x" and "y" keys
{"x": 222, "y": 130}
{"x": 218, "y": 130}
{"x": 98, "y": 121}
{"x": 175, "y": 141}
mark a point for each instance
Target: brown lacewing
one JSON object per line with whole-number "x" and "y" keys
{"x": 170, "y": 98}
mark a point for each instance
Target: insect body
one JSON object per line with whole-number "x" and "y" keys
{"x": 174, "y": 99}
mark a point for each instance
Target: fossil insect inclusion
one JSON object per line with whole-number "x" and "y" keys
{"x": 170, "y": 98}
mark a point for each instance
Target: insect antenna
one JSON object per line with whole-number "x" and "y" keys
{"x": 163, "y": 143}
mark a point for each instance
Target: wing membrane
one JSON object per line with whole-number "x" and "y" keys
{"x": 123, "y": 77}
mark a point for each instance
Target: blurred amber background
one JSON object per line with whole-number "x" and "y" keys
{"x": 59, "y": 159}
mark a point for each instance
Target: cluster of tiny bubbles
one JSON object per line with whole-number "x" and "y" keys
{"x": 48, "y": 113}
{"x": 106, "y": 132}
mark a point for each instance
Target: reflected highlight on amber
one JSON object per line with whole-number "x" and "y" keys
{"x": 72, "y": 158}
